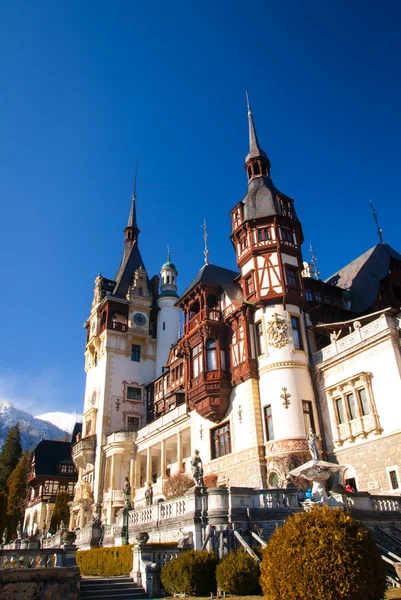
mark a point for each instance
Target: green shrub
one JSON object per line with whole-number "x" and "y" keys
{"x": 193, "y": 573}
{"x": 238, "y": 574}
{"x": 105, "y": 562}
{"x": 322, "y": 554}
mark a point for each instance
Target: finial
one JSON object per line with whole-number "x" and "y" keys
{"x": 168, "y": 254}
{"x": 136, "y": 171}
{"x": 247, "y": 102}
{"x": 379, "y": 231}
{"x": 314, "y": 261}
{"x": 205, "y": 236}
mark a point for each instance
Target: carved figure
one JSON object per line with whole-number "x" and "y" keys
{"x": 19, "y": 530}
{"x": 277, "y": 332}
{"x": 312, "y": 440}
{"x": 127, "y": 492}
{"x": 149, "y": 494}
{"x": 4, "y": 536}
{"x": 197, "y": 469}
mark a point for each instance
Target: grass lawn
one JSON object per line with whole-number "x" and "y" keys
{"x": 393, "y": 593}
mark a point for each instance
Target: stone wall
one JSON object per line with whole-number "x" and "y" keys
{"x": 40, "y": 584}
{"x": 369, "y": 461}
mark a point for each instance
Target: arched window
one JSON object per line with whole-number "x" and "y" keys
{"x": 256, "y": 170}
{"x": 211, "y": 360}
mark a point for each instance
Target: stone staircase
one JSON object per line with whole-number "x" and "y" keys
{"x": 99, "y": 588}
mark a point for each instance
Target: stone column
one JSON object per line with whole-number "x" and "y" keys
{"x": 112, "y": 472}
{"x": 163, "y": 460}
{"x": 149, "y": 465}
{"x": 132, "y": 476}
{"x": 179, "y": 450}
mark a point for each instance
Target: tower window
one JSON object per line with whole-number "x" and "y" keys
{"x": 264, "y": 234}
{"x": 135, "y": 353}
{"x": 243, "y": 244}
{"x": 296, "y": 333}
{"x": 256, "y": 169}
{"x": 168, "y": 278}
{"x": 197, "y": 360}
{"x": 308, "y": 416}
{"x": 286, "y": 235}
{"x": 249, "y": 287}
{"x": 221, "y": 442}
{"x": 259, "y": 338}
{"x": 211, "y": 355}
{"x": 340, "y": 410}
{"x": 292, "y": 277}
{"x": 164, "y": 325}
{"x": 269, "y": 423}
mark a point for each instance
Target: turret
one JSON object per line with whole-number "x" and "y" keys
{"x": 168, "y": 318}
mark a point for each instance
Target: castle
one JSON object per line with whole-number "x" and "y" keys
{"x": 266, "y": 353}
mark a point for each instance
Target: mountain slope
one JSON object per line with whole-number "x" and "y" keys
{"x": 62, "y": 420}
{"x": 32, "y": 429}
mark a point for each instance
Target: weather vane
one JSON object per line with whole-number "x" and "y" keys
{"x": 379, "y": 231}
{"x": 247, "y": 102}
{"x": 136, "y": 170}
{"x": 314, "y": 261}
{"x": 205, "y": 236}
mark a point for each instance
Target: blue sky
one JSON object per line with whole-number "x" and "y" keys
{"x": 88, "y": 86}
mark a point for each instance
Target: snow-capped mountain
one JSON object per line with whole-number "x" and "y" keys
{"x": 32, "y": 429}
{"x": 64, "y": 421}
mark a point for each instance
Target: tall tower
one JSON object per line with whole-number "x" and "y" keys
{"x": 168, "y": 318}
{"x": 267, "y": 237}
{"x": 120, "y": 360}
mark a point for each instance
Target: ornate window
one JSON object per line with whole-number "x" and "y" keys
{"x": 353, "y": 409}
{"x": 221, "y": 443}
{"x": 133, "y": 393}
{"x": 269, "y": 423}
{"x": 211, "y": 356}
{"x": 264, "y": 234}
{"x": 132, "y": 423}
{"x": 392, "y": 473}
{"x": 197, "y": 360}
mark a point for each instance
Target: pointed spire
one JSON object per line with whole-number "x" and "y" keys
{"x": 254, "y": 149}
{"x": 131, "y": 231}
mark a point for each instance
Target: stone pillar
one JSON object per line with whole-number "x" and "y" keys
{"x": 179, "y": 450}
{"x": 132, "y": 476}
{"x": 112, "y": 472}
{"x": 149, "y": 465}
{"x": 163, "y": 460}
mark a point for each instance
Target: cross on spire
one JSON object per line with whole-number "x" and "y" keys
{"x": 205, "y": 238}
{"x": 376, "y": 219}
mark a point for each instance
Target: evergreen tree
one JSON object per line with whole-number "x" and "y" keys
{"x": 17, "y": 486}
{"x": 9, "y": 456}
{"x": 61, "y": 511}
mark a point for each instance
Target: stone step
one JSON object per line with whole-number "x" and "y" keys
{"x": 118, "y": 588}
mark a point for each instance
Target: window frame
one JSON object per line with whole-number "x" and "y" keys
{"x": 211, "y": 355}
{"x": 309, "y": 405}
{"x": 136, "y": 352}
{"x": 292, "y": 276}
{"x": 268, "y": 419}
{"x": 197, "y": 360}
{"x": 298, "y": 339}
{"x": 249, "y": 285}
{"x": 259, "y": 338}
{"x": 390, "y": 470}
{"x": 216, "y": 445}
{"x": 130, "y": 397}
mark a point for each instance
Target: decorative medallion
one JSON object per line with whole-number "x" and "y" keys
{"x": 277, "y": 332}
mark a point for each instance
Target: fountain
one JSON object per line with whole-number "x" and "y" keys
{"x": 317, "y": 471}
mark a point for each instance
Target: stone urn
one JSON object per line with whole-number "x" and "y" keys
{"x": 68, "y": 538}
{"x": 142, "y": 538}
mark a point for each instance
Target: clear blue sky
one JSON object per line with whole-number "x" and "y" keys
{"x": 87, "y": 86}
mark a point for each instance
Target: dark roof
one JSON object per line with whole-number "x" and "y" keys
{"x": 48, "y": 454}
{"x": 131, "y": 261}
{"x": 260, "y": 199}
{"x": 363, "y": 275}
{"x": 218, "y": 276}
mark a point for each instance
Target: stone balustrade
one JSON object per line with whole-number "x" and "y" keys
{"x": 148, "y": 560}
{"x": 121, "y": 437}
{"x": 360, "y": 334}
{"x": 37, "y": 558}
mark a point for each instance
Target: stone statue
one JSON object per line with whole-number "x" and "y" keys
{"x": 149, "y": 494}
{"x": 312, "y": 440}
{"x": 127, "y": 492}
{"x": 4, "y": 536}
{"x": 19, "y": 530}
{"x": 197, "y": 469}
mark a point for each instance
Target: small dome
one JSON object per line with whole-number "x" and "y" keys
{"x": 169, "y": 265}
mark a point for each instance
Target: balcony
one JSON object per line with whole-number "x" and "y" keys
{"x": 206, "y": 314}
{"x": 84, "y": 452}
{"x": 209, "y": 395}
{"x": 116, "y": 497}
{"x": 116, "y": 326}
{"x": 120, "y": 442}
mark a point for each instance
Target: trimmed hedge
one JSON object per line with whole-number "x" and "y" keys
{"x": 322, "y": 554}
{"x": 192, "y": 573}
{"x": 105, "y": 562}
{"x": 238, "y": 574}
